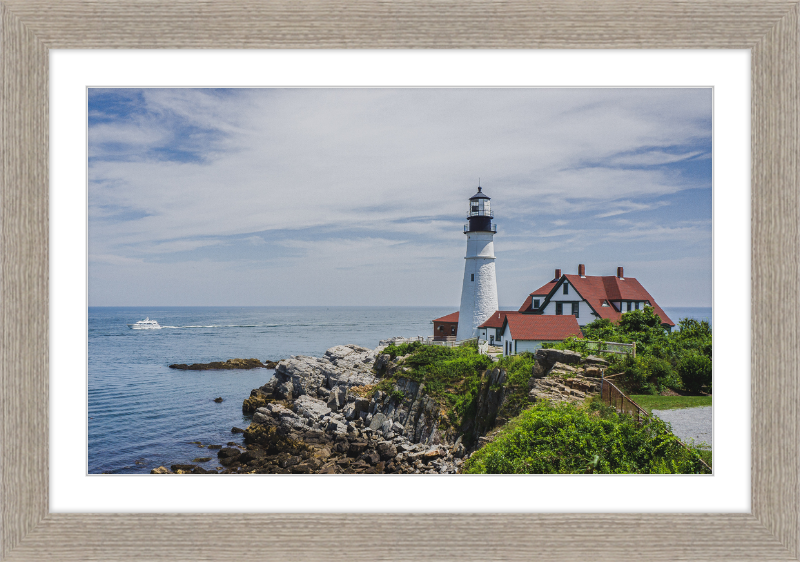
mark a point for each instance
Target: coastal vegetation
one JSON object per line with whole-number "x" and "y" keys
{"x": 592, "y": 438}
{"x": 679, "y": 360}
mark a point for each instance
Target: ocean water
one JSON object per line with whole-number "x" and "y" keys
{"x": 142, "y": 414}
{"x": 677, "y": 313}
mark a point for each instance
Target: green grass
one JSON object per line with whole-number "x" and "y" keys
{"x": 652, "y": 402}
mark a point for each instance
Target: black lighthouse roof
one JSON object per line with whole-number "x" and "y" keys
{"x": 480, "y": 214}
{"x": 479, "y": 195}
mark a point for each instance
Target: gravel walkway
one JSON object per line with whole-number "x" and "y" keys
{"x": 689, "y": 423}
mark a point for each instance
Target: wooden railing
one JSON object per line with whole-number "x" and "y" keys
{"x": 611, "y": 347}
{"x": 613, "y": 396}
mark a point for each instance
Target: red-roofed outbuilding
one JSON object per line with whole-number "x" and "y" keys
{"x": 527, "y": 332}
{"x": 446, "y": 327}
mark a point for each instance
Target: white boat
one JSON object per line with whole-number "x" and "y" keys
{"x": 145, "y": 324}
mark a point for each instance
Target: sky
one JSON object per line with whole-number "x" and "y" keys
{"x": 358, "y": 196}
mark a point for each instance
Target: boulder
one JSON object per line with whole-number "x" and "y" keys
{"x": 218, "y": 399}
{"x": 549, "y": 357}
{"x": 228, "y": 455}
{"x": 161, "y": 470}
{"x": 356, "y": 448}
{"x": 201, "y": 459}
{"x": 183, "y": 467}
{"x": 310, "y": 407}
{"x": 371, "y": 457}
{"x": 251, "y": 455}
{"x": 596, "y": 361}
{"x": 386, "y": 450}
{"x": 593, "y": 372}
{"x": 377, "y": 421}
{"x": 336, "y": 399}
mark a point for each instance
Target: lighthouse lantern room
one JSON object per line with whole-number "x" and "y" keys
{"x": 479, "y": 288}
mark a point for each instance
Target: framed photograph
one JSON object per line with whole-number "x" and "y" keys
{"x": 31, "y": 531}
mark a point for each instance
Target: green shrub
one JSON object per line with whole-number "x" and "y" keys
{"x": 402, "y": 349}
{"x": 695, "y": 372}
{"x": 565, "y": 439}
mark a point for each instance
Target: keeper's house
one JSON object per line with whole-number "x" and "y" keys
{"x": 557, "y": 310}
{"x": 588, "y": 298}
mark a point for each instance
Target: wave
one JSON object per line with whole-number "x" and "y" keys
{"x": 213, "y": 326}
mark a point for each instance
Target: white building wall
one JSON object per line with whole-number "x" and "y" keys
{"x": 585, "y": 315}
{"x": 479, "y": 288}
{"x": 530, "y": 345}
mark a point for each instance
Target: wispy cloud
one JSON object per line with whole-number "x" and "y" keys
{"x": 188, "y": 172}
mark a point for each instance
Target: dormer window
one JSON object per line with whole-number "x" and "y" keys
{"x": 535, "y": 303}
{"x": 566, "y": 289}
{"x": 605, "y": 303}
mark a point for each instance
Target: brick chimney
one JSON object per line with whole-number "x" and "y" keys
{"x": 619, "y": 273}
{"x": 582, "y": 270}
{"x": 558, "y": 274}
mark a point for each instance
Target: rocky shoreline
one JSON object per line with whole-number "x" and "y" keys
{"x": 225, "y": 365}
{"x": 327, "y": 416}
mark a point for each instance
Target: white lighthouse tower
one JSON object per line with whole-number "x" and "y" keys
{"x": 479, "y": 290}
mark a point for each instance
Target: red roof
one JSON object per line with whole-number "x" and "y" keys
{"x": 542, "y": 327}
{"x": 449, "y": 318}
{"x": 496, "y": 319}
{"x": 596, "y": 290}
{"x": 542, "y": 291}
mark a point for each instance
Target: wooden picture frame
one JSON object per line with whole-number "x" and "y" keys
{"x": 31, "y": 27}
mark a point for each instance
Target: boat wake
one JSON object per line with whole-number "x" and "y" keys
{"x": 212, "y": 326}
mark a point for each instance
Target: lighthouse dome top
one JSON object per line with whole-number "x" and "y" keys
{"x": 479, "y": 195}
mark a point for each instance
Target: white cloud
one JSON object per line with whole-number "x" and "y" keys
{"x": 395, "y": 165}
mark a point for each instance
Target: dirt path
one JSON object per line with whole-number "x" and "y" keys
{"x": 689, "y": 423}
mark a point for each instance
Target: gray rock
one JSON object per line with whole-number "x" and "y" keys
{"x": 386, "y": 450}
{"x": 549, "y": 357}
{"x": 596, "y": 361}
{"x": 333, "y": 399}
{"x": 310, "y": 407}
{"x": 377, "y": 421}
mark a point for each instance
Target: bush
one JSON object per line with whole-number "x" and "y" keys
{"x": 695, "y": 372}
{"x": 565, "y": 439}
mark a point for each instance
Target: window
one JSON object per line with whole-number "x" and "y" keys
{"x": 575, "y": 309}
{"x": 535, "y": 303}
{"x": 452, "y": 329}
{"x": 605, "y": 303}
{"x": 441, "y": 328}
{"x": 472, "y": 277}
{"x": 566, "y": 289}
{"x": 637, "y": 305}
{"x": 629, "y": 306}
{"x": 559, "y": 308}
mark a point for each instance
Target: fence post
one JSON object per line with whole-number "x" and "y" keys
{"x": 634, "y": 350}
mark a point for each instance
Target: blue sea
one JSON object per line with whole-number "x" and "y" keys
{"x": 142, "y": 414}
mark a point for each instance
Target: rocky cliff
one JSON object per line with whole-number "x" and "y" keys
{"x": 339, "y": 413}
